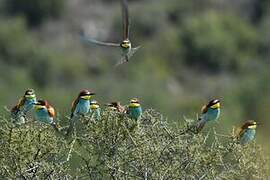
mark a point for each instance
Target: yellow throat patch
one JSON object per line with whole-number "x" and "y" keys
{"x": 87, "y": 97}
{"x": 125, "y": 45}
{"x": 32, "y": 96}
{"x": 215, "y": 106}
{"x": 254, "y": 126}
{"x": 133, "y": 105}
{"x": 94, "y": 106}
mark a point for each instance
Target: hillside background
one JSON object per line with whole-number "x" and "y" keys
{"x": 192, "y": 51}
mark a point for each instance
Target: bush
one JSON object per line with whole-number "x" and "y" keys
{"x": 216, "y": 42}
{"x": 31, "y": 151}
{"x": 118, "y": 148}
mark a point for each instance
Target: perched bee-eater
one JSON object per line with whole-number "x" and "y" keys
{"x": 134, "y": 110}
{"x": 125, "y": 45}
{"x": 81, "y": 105}
{"x": 116, "y": 106}
{"x": 210, "y": 112}
{"x": 95, "y": 110}
{"x": 247, "y": 132}
{"x": 25, "y": 104}
{"x": 45, "y": 113}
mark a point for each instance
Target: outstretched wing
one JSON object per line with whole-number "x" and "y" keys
{"x": 93, "y": 41}
{"x": 125, "y": 17}
{"x": 126, "y": 58}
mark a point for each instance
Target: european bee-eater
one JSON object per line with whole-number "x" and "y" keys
{"x": 210, "y": 112}
{"x": 81, "y": 105}
{"x": 247, "y": 132}
{"x": 116, "y": 106}
{"x": 125, "y": 45}
{"x": 134, "y": 110}
{"x": 25, "y": 104}
{"x": 45, "y": 113}
{"x": 95, "y": 110}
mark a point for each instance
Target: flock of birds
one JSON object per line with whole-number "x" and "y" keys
{"x": 84, "y": 105}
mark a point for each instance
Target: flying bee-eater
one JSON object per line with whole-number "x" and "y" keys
{"x": 134, "y": 110}
{"x": 210, "y": 112}
{"x": 25, "y": 104}
{"x": 246, "y": 132}
{"x": 116, "y": 106}
{"x": 95, "y": 110}
{"x": 45, "y": 113}
{"x": 125, "y": 45}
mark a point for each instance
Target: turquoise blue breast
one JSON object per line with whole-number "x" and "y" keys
{"x": 43, "y": 116}
{"x": 247, "y": 136}
{"x": 211, "y": 115}
{"x": 135, "y": 112}
{"x": 28, "y": 105}
{"x": 83, "y": 107}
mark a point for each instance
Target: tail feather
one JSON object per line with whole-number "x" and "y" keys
{"x": 201, "y": 123}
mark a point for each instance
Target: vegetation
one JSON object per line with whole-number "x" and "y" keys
{"x": 35, "y": 12}
{"x": 191, "y": 52}
{"x": 117, "y": 147}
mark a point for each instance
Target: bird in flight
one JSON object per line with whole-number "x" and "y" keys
{"x": 127, "y": 50}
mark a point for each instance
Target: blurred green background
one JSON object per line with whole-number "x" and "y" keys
{"x": 192, "y": 51}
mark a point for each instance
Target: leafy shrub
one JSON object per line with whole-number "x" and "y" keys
{"x": 215, "y": 43}
{"x": 118, "y": 148}
{"x": 31, "y": 151}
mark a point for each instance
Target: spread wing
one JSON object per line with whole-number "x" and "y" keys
{"x": 51, "y": 111}
{"x": 20, "y": 103}
{"x": 93, "y": 41}
{"x": 125, "y": 19}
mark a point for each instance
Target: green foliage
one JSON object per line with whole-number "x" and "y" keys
{"x": 118, "y": 148}
{"x": 35, "y": 11}
{"x": 31, "y": 151}
{"x": 218, "y": 42}
{"x": 182, "y": 41}
{"x": 42, "y": 66}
